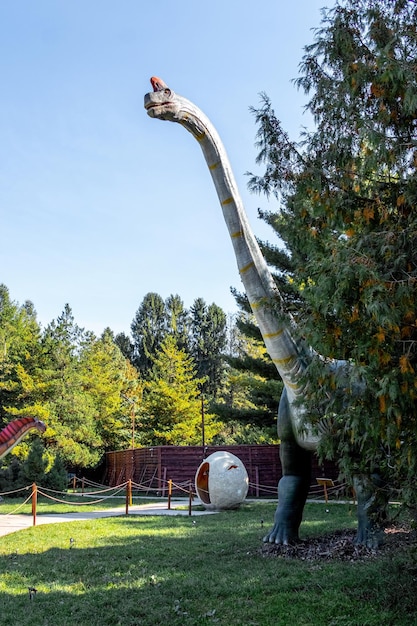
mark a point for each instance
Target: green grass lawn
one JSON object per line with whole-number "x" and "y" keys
{"x": 212, "y": 569}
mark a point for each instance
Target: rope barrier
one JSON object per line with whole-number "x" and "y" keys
{"x": 183, "y": 487}
{"x": 87, "y": 493}
{"x": 45, "y": 495}
{"x": 90, "y": 482}
{"x": 7, "y": 493}
{"x": 186, "y": 487}
{"x": 19, "y": 507}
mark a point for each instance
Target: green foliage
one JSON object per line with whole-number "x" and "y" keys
{"x": 201, "y": 332}
{"x": 236, "y": 432}
{"x": 148, "y": 331}
{"x": 252, "y": 388}
{"x": 57, "y": 477}
{"x": 88, "y": 392}
{"x": 208, "y": 342}
{"x": 10, "y": 475}
{"x": 125, "y": 346}
{"x": 19, "y": 355}
{"x": 85, "y": 377}
{"x": 34, "y": 467}
{"x": 177, "y": 321}
{"x": 348, "y": 218}
{"x": 171, "y": 411}
{"x": 68, "y": 378}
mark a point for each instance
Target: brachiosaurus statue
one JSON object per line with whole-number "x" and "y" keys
{"x": 290, "y": 357}
{"x": 14, "y": 432}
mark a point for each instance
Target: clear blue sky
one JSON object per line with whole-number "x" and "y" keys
{"x": 100, "y": 204}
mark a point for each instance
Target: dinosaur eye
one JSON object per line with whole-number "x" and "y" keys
{"x": 167, "y": 92}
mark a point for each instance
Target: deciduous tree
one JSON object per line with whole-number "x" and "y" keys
{"x": 19, "y": 357}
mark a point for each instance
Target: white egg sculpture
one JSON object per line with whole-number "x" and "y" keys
{"x": 221, "y": 481}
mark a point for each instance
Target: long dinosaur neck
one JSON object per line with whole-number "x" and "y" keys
{"x": 14, "y": 432}
{"x": 259, "y": 284}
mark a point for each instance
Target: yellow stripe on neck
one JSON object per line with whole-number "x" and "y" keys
{"x": 292, "y": 386}
{"x": 278, "y": 333}
{"x": 285, "y": 361}
{"x": 246, "y": 268}
{"x": 200, "y": 136}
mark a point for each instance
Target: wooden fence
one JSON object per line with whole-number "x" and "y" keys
{"x": 152, "y": 467}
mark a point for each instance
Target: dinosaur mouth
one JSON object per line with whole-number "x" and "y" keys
{"x": 155, "y": 105}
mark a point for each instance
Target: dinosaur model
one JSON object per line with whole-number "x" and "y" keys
{"x": 14, "y": 432}
{"x": 290, "y": 357}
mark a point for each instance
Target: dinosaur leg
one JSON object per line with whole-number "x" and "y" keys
{"x": 294, "y": 484}
{"x": 372, "y": 504}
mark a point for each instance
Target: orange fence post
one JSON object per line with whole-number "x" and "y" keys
{"x": 74, "y": 483}
{"x": 34, "y": 502}
{"x": 169, "y": 493}
{"x": 190, "y": 498}
{"x": 82, "y": 485}
{"x": 128, "y": 495}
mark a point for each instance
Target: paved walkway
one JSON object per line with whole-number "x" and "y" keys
{"x": 12, "y": 523}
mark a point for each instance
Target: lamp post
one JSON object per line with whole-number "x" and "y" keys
{"x": 203, "y": 434}
{"x": 132, "y": 414}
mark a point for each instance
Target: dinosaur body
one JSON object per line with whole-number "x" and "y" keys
{"x": 14, "y": 432}
{"x": 289, "y": 357}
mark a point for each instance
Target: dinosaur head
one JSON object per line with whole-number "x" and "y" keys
{"x": 41, "y": 426}
{"x": 162, "y": 102}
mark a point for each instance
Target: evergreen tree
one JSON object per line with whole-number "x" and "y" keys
{"x": 249, "y": 402}
{"x": 10, "y": 479}
{"x": 57, "y": 477}
{"x": 208, "y": 342}
{"x": 71, "y": 424}
{"x": 85, "y": 378}
{"x": 349, "y": 193}
{"x": 201, "y": 332}
{"x": 177, "y": 321}
{"x": 171, "y": 411}
{"x": 125, "y": 346}
{"x": 34, "y": 467}
{"x": 149, "y": 328}
{"x": 68, "y": 378}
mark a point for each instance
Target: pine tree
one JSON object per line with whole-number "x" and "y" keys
{"x": 149, "y": 329}
{"x": 71, "y": 426}
{"x": 34, "y": 467}
{"x": 171, "y": 411}
{"x": 252, "y": 389}
{"x": 177, "y": 321}
{"x": 57, "y": 477}
{"x": 85, "y": 379}
{"x": 208, "y": 342}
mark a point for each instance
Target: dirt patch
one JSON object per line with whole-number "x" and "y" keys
{"x": 340, "y": 546}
